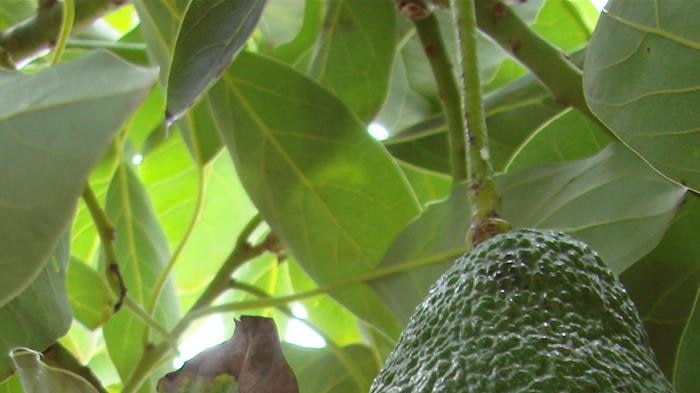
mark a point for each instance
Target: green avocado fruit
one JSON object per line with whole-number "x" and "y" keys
{"x": 524, "y": 312}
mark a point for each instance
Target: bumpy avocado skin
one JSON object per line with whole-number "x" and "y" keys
{"x": 524, "y": 312}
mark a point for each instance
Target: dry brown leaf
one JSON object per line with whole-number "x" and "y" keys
{"x": 253, "y": 356}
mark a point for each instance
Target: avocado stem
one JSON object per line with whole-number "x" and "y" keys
{"x": 428, "y": 30}
{"x": 483, "y": 196}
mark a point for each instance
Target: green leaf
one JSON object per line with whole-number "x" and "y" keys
{"x": 579, "y": 17}
{"x": 37, "y": 202}
{"x": 282, "y": 21}
{"x": 160, "y": 23}
{"x": 12, "y": 385}
{"x": 428, "y": 186}
{"x": 355, "y": 54}
{"x": 90, "y": 296}
{"x": 404, "y": 106}
{"x": 330, "y": 192}
{"x": 37, "y": 377}
{"x": 641, "y": 80}
{"x": 210, "y": 36}
{"x": 349, "y": 369}
{"x": 568, "y": 136}
{"x": 142, "y": 252}
{"x": 172, "y": 183}
{"x": 512, "y": 114}
{"x": 685, "y": 376}
{"x": 663, "y": 286}
{"x": 14, "y": 11}
{"x": 40, "y": 314}
{"x": 298, "y": 51}
{"x": 605, "y": 200}
{"x": 200, "y": 132}
{"x": 335, "y": 321}
{"x": 440, "y": 235}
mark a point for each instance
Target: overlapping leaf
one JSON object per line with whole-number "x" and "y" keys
{"x": 348, "y": 369}
{"x": 224, "y": 208}
{"x": 436, "y": 238}
{"x": 641, "y": 80}
{"x": 329, "y": 192}
{"x": 40, "y": 314}
{"x": 36, "y": 377}
{"x": 160, "y": 23}
{"x": 210, "y": 36}
{"x": 52, "y": 133}
{"x": 142, "y": 252}
{"x": 568, "y": 136}
{"x": 512, "y": 114}
{"x": 613, "y": 201}
{"x": 355, "y": 53}
{"x": 91, "y": 298}
{"x": 663, "y": 286}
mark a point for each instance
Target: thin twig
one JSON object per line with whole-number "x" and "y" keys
{"x": 105, "y": 231}
{"x": 66, "y": 28}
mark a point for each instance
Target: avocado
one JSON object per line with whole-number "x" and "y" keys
{"x": 529, "y": 312}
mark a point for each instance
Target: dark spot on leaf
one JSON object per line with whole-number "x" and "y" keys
{"x": 429, "y": 50}
{"x": 514, "y": 45}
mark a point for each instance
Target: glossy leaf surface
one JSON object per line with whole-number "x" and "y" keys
{"x": 641, "y": 80}
{"x": 55, "y": 130}
{"x": 331, "y": 193}
{"x": 210, "y": 36}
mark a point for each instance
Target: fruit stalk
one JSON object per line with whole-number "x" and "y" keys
{"x": 483, "y": 196}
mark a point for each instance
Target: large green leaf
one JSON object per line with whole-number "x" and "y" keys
{"x": 37, "y": 377}
{"x": 142, "y": 252}
{"x": 606, "y": 200}
{"x": 210, "y": 36}
{"x": 664, "y": 284}
{"x": 40, "y": 314}
{"x": 348, "y": 369}
{"x": 355, "y": 53}
{"x": 440, "y": 235}
{"x": 331, "y": 193}
{"x": 641, "y": 80}
{"x": 568, "y": 136}
{"x": 91, "y": 298}
{"x": 160, "y": 23}
{"x": 53, "y": 130}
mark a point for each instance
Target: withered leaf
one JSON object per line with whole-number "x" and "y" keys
{"x": 253, "y": 357}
